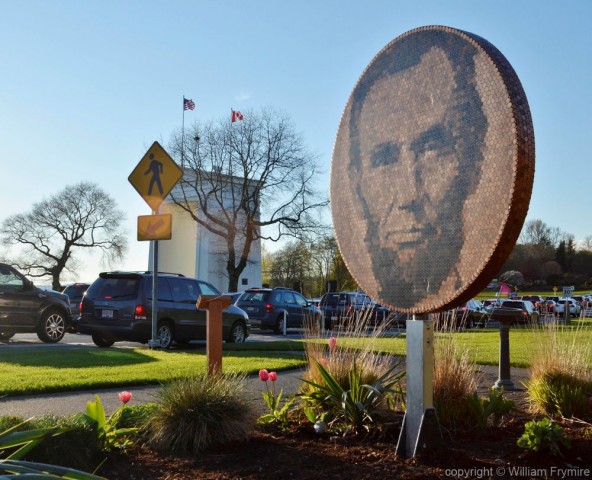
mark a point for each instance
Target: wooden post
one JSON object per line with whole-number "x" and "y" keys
{"x": 214, "y": 305}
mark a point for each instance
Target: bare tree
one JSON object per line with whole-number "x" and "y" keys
{"x": 537, "y": 232}
{"x": 587, "y": 243}
{"x": 81, "y": 216}
{"x": 248, "y": 180}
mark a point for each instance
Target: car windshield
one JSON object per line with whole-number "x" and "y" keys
{"x": 74, "y": 291}
{"x": 254, "y": 297}
{"x": 512, "y": 305}
{"x": 111, "y": 287}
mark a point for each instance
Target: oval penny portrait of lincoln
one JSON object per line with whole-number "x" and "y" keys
{"x": 432, "y": 170}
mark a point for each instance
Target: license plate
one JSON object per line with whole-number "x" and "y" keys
{"x": 250, "y": 309}
{"x": 107, "y": 313}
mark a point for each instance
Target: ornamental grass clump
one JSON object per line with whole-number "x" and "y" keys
{"x": 199, "y": 412}
{"x": 455, "y": 377}
{"x": 560, "y": 376}
{"x": 349, "y": 385}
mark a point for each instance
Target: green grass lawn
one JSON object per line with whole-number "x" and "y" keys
{"x": 33, "y": 370}
{"x": 29, "y": 370}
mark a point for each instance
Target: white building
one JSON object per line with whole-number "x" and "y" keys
{"x": 196, "y": 252}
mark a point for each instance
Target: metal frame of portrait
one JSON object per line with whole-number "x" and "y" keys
{"x": 432, "y": 170}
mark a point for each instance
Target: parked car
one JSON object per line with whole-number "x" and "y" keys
{"x": 234, "y": 296}
{"x": 490, "y": 303}
{"x": 25, "y": 308}
{"x": 75, "y": 292}
{"x": 118, "y": 306}
{"x": 574, "y": 307}
{"x": 549, "y": 306}
{"x": 266, "y": 308}
{"x": 340, "y": 307}
{"x": 529, "y": 314}
{"x": 536, "y": 300}
{"x": 469, "y": 314}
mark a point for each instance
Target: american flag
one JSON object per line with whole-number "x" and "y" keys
{"x": 188, "y": 104}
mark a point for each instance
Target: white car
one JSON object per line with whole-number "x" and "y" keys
{"x": 574, "y": 307}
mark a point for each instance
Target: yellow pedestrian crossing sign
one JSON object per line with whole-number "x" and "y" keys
{"x": 155, "y": 176}
{"x": 155, "y": 227}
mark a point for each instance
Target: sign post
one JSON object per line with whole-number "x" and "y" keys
{"x": 214, "y": 305}
{"x": 153, "y": 178}
{"x": 567, "y": 291}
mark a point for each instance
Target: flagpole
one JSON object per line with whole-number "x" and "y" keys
{"x": 183, "y": 137}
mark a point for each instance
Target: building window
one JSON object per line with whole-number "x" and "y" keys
{"x": 245, "y": 281}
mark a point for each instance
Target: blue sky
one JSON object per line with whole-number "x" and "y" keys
{"x": 86, "y": 87}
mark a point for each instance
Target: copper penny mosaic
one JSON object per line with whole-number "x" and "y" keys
{"x": 432, "y": 170}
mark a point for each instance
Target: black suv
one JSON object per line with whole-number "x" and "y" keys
{"x": 338, "y": 307}
{"x": 118, "y": 306}
{"x": 25, "y": 308}
{"x": 266, "y": 308}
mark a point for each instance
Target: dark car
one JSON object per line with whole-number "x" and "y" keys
{"x": 344, "y": 307}
{"x": 75, "y": 292}
{"x": 25, "y": 308}
{"x": 469, "y": 314}
{"x": 266, "y": 308}
{"x": 527, "y": 315}
{"x": 118, "y": 306}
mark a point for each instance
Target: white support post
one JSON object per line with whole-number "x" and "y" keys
{"x": 285, "y": 322}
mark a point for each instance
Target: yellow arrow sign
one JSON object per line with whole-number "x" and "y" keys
{"x": 155, "y": 176}
{"x": 155, "y": 227}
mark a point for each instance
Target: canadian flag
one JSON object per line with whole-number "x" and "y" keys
{"x": 236, "y": 116}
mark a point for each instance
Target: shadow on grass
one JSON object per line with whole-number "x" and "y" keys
{"x": 112, "y": 357}
{"x": 115, "y": 357}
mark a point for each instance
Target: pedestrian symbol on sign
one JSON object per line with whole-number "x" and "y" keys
{"x": 155, "y": 175}
{"x": 156, "y": 169}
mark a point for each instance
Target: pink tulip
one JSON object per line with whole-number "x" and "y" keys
{"x": 332, "y": 343}
{"x": 125, "y": 396}
{"x": 263, "y": 375}
{"x": 272, "y": 376}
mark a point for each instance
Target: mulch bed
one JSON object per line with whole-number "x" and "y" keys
{"x": 300, "y": 454}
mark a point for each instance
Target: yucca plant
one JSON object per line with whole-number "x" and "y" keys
{"x": 198, "y": 412}
{"x": 15, "y": 444}
{"x": 355, "y": 405}
{"x": 348, "y": 381}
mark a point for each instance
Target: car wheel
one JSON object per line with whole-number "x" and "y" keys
{"x": 101, "y": 341}
{"x": 52, "y": 327}
{"x": 278, "y": 328}
{"x": 165, "y": 335}
{"x": 6, "y": 335}
{"x": 237, "y": 333}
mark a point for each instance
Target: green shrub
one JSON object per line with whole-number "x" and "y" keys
{"x": 199, "y": 412}
{"x": 489, "y": 410}
{"x": 544, "y": 435}
{"x": 558, "y": 393}
{"x": 560, "y": 376}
